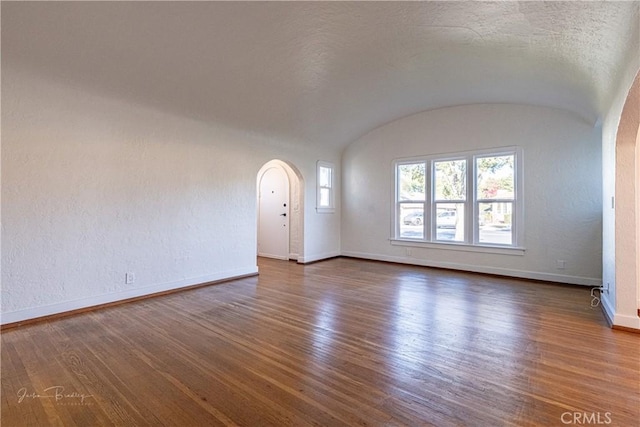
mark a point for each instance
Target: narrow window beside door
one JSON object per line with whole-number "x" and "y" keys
{"x": 325, "y": 185}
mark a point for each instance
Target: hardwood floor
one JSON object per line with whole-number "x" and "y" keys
{"x": 340, "y": 342}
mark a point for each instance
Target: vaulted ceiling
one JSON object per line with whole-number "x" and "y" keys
{"x": 326, "y": 72}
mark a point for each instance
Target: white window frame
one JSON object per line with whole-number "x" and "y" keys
{"x": 471, "y": 241}
{"x": 330, "y": 208}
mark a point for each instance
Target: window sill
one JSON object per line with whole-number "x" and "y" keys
{"x": 325, "y": 210}
{"x": 465, "y": 247}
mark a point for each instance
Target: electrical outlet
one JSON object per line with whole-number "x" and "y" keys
{"x": 129, "y": 278}
{"x": 407, "y": 251}
{"x": 561, "y": 264}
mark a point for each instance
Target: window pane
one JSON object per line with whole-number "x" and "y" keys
{"x": 450, "y": 222}
{"x": 495, "y": 177}
{"x": 412, "y": 220}
{"x": 411, "y": 182}
{"x": 324, "y": 197}
{"x": 451, "y": 180}
{"x": 325, "y": 177}
{"x": 495, "y": 221}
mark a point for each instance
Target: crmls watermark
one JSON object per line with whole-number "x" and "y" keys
{"x": 586, "y": 418}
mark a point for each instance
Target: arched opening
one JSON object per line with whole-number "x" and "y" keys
{"x": 627, "y": 207}
{"x": 280, "y": 213}
{"x": 638, "y": 211}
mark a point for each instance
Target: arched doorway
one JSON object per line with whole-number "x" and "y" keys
{"x": 280, "y": 211}
{"x": 627, "y": 206}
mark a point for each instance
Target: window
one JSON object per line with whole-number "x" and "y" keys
{"x": 450, "y": 188}
{"x": 324, "y": 192}
{"x": 462, "y": 199}
{"x": 411, "y": 203}
{"x": 495, "y": 196}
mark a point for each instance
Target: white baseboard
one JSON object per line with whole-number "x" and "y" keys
{"x": 265, "y": 255}
{"x": 608, "y": 308}
{"x": 632, "y": 322}
{"x": 47, "y": 310}
{"x": 317, "y": 257}
{"x": 534, "y": 275}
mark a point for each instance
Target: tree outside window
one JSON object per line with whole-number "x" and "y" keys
{"x": 465, "y": 198}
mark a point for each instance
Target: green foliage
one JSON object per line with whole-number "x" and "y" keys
{"x": 412, "y": 181}
{"x": 495, "y": 177}
{"x": 451, "y": 180}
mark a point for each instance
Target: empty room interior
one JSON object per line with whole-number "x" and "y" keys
{"x": 320, "y": 213}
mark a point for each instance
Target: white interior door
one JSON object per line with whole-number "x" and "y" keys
{"x": 273, "y": 223}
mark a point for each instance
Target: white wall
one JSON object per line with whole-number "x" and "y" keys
{"x": 562, "y": 180}
{"x": 621, "y": 300}
{"x": 94, "y": 187}
{"x": 322, "y": 240}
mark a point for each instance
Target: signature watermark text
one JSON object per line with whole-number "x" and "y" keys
{"x": 57, "y": 394}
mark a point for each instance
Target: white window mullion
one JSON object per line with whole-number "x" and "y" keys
{"x": 428, "y": 203}
{"x": 518, "y": 218}
{"x": 468, "y": 203}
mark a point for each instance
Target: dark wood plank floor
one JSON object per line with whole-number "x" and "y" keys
{"x": 340, "y": 342}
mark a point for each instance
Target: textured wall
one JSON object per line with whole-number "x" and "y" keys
{"x": 625, "y": 292}
{"x": 562, "y": 187}
{"x": 94, "y": 187}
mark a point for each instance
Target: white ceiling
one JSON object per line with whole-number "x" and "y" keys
{"x": 326, "y": 72}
